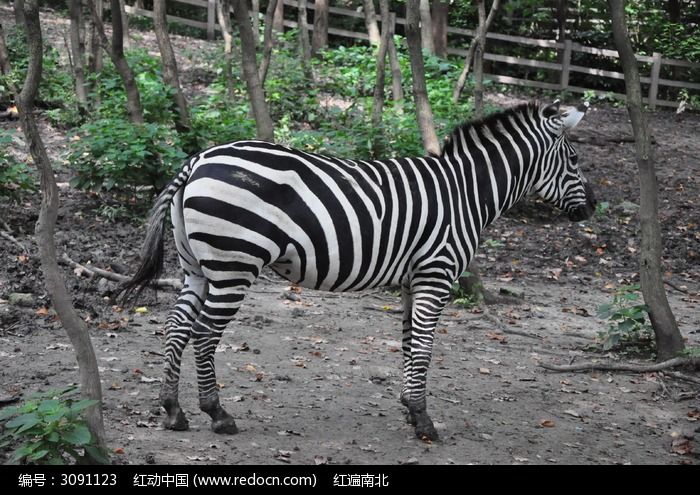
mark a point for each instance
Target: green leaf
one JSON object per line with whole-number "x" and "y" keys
{"x": 23, "y": 422}
{"x": 97, "y": 454}
{"x": 83, "y": 404}
{"x": 39, "y": 454}
{"x": 80, "y": 435}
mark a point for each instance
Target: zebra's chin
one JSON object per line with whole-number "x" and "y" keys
{"x": 584, "y": 211}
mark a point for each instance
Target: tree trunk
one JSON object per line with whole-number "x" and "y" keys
{"x": 424, "y": 113}
{"x": 462, "y": 80}
{"x": 116, "y": 52}
{"x": 223, "y": 12}
{"x": 479, "y": 61}
{"x": 268, "y": 40}
{"x": 256, "y": 94}
{"x": 5, "y": 67}
{"x": 674, "y": 11}
{"x": 255, "y": 18}
{"x": 371, "y": 21}
{"x": 304, "y": 43}
{"x": 396, "y": 84}
{"x": 440, "y": 15}
{"x": 669, "y": 341}
{"x": 561, "y": 14}
{"x": 278, "y": 18}
{"x": 125, "y": 24}
{"x": 426, "y": 27}
{"x": 320, "y": 38}
{"x": 19, "y": 13}
{"x": 378, "y": 100}
{"x": 77, "y": 49}
{"x": 75, "y": 327}
{"x": 170, "y": 73}
{"x": 94, "y": 47}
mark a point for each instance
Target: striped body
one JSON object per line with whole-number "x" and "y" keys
{"x": 344, "y": 225}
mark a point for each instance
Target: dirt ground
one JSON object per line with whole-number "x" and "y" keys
{"x": 317, "y": 380}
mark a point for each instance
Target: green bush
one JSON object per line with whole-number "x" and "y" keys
{"x": 15, "y": 177}
{"x": 50, "y": 429}
{"x": 626, "y": 319}
{"x": 114, "y": 153}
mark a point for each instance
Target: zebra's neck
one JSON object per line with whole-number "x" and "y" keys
{"x": 499, "y": 162}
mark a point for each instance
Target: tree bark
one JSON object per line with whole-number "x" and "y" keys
{"x": 77, "y": 49}
{"x": 268, "y": 40}
{"x": 167, "y": 55}
{"x": 223, "y": 9}
{"x": 426, "y": 27}
{"x": 5, "y": 67}
{"x": 278, "y": 18}
{"x": 94, "y": 47}
{"x": 669, "y": 341}
{"x": 19, "y": 13}
{"x": 256, "y": 94}
{"x": 396, "y": 83}
{"x": 371, "y": 21}
{"x": 424, "y": 112}
{"x": 255, "y": 19}
{"x": 440, "y": 12}
{"x": 116, "y": 52}
{"x": 320, "y": 37}
{"x": 304, "y": 43}
{"x": 378, "y": 100}
{"x": 479, "y": 61}
{"x": 462, "y": 80}
{"x": 125, "y": 24}
{"x": 75, "y": 327}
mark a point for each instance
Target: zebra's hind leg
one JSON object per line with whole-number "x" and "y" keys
{"x": 178, "y": 329}
{"x": 219, "y": 308}
{"x": 407, "y": 325}
{"x": 428, "y": 303}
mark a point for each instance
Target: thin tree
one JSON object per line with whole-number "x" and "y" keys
{"x": 278, "y": 18}
{"x": 255, "y": 18}
{"x": 440, "y": 11}
{"x": 223, "y": 12}
{"x": 19, "y": 13}
{"x": 426, "y": 27}
{"x": 304, "y": 43}
{"x": 169, "y": 63}
{"x": 424, "y": 113}
{"x": 268, "y": 40}
{"x": 378, "y": 100}
{"x": 371, "y": 21}
{"x": 320, "y": 37}
{"x": 669, "y": 341}
{"x": 479, "y": 39}
{"x": 116, "y": 52}
{"x": 75, "y": 327}
{"x": 94, "y": 47}
{"x": 4, "y": 56}
{"x": 125, "y": 24}
{"x": 372, "y": 31}
{"x": 77, "y": 50}
{"x": 256, "y": 94}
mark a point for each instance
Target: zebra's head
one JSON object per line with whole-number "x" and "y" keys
{"x": 561, "y": 182}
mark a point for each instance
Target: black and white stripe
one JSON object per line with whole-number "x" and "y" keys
{"x": 343, "y": 225}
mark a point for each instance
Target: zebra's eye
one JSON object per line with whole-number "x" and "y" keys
{"x": 574, "y": 159}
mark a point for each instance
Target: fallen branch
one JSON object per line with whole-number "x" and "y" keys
{"x": 637, "y": 368}
{"x": 161, "y": 283}
{"x": 675, "y": 287}
{"x": 684, "y": 377}
{"x": 10, "y": 238}
{"x": 503, "y": 327}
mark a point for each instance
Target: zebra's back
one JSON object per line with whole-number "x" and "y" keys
{"x": 322, "y": 222}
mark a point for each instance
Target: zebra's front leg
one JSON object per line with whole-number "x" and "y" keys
{"x": 178, "y": 328}
{"x": 426, "y": 309}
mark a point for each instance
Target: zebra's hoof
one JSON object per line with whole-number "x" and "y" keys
{"x": 224, "y": 426}
{"x": 427, "y": 432}
{"x": 176, "y": 422}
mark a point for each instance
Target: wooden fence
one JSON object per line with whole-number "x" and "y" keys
{"x": 563, "y": 68}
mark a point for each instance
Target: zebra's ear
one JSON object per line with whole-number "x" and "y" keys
{"x": 551, "y": 110}
{"x": 572, "y": 117}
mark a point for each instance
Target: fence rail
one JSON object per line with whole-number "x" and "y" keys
{"x": 564, "y": 68}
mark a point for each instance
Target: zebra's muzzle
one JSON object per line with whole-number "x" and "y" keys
{"x": 586, "y": 210}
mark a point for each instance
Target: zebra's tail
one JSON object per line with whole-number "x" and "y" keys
{"x": 152, "y": 251}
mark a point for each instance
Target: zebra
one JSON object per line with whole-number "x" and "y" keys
{"x": 348, "y": 225}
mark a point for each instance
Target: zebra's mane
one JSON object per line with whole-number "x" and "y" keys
{"x": 491, "y": 122}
